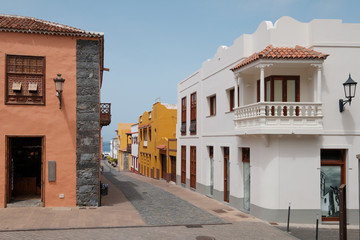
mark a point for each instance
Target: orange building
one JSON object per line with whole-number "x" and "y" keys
{"x": 50, "y": 123}
{"x": 157, "y": 142}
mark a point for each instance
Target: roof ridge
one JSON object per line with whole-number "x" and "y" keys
{"x": 43, "y": 21}
{"x": 266, "y": 50}
{"x": 311, "y": 51}
{"x": 270, "y": 52}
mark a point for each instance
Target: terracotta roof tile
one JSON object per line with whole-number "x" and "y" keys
{"x": 270, "y": 52}
{"x": 13, "y": 23}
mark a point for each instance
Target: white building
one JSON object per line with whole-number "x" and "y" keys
{"x": 259, "y": 124}
{"x": 114, "y": 147}
{"x": 135, "y": 148}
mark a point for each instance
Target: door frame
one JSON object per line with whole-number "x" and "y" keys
{"x": 183, "y": 164}
{"x": 193, "y": 167}
{"x": 226, "y": 168}
{"x": 342, "y": 164}
{"x": 8, "y": 164}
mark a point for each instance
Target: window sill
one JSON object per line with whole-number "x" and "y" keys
{"x": 210, "y": 116}
{"x": 227, "y": 112}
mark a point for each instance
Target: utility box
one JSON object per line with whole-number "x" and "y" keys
{"x": 52, "y": 171}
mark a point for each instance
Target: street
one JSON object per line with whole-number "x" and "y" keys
{"x": 143, "y": 208}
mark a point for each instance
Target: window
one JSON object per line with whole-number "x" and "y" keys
{"x": 281, "y": 89}
{"x": 25, "y": 80}
{"x": 332, "y": 175}
{"x": 193, "y": 114}
{"x": 145, "y": 134}
{"x": 231, "y": 98}
{"x": 212, "y": 105}
{"x": 183, "y": 116}
{"x": 149, "y": 133}
{"x": 149, "y": 115}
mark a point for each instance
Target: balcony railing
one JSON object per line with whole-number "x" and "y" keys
{"x": 105, "y": 114}
{"x": 279, "y": 118}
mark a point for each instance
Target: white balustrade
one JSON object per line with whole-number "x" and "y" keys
{"x": 279, "y": 118}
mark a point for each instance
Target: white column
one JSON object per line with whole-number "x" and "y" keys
{"x": 262, "y": 84}
{"x": 236, "y": 91}
{"x": 241, "y": 92}
{"x": 318, "y": 73}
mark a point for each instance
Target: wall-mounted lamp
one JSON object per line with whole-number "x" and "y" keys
{"x": 349, "y": 89}
{"x": 59, "y": 84}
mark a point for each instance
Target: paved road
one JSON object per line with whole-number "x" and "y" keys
{"x": 159, "y": 207}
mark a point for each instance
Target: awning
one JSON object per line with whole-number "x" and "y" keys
{"x": 161, "y": 147}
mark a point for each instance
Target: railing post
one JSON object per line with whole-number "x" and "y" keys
{"x": 342, "y": 221}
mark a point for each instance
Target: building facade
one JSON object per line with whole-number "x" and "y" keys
{"x": 114, "y": 148}
{"x": 124, "y": 152}
{"x": 156, "y": 129}
{"x": 135, "y": 148}
{"x": 259, "y": 125}
{"x": 50, "y": 149}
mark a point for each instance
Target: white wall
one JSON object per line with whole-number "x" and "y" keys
{"x": 283, "y": 168}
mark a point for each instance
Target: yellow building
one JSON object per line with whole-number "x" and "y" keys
{"x": 123, "y": 153}
{"x": 157, "y": 145}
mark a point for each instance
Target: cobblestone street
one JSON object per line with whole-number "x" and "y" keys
{"x": 157, "y": 206}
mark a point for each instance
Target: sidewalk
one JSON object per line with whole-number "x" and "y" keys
{"x": 116, "y": 206}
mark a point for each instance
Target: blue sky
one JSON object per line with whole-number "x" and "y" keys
{"x": 151, "y": 45}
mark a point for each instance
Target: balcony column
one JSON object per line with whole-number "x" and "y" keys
{"x": 262, "y": 86}
{"x": 318, "y": 74}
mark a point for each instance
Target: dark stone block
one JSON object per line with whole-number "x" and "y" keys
{"x": 88, "y": 123}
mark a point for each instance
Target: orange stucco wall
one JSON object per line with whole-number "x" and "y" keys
{"x": 57, "y": 126}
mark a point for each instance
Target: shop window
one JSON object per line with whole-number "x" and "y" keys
{"x": 331, "y": 177}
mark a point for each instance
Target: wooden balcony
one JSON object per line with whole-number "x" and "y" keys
{"x": 279, "y": 118}
{"x": 105, "y": 114}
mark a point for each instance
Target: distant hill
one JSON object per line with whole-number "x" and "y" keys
{"x": 106, "y": 146}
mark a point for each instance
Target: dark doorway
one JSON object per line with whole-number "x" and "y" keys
{"x": 193, "y": 167}
{"x": 163, "y": 166}
{"x": 226, "y": 174}
{"x": 24, "y": 169}
{"x": 173, "y": 168}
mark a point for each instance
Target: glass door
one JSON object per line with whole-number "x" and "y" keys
{"x": 332, "y": 175}
{"x": 246, "y": 174}
{"x": 211, "y": 158}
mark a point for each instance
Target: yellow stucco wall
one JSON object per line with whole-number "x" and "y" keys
{"x": 159, "y": 125}
{"x": 123, "y": 128}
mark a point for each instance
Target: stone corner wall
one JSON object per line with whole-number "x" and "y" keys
{"x": 87, "y": 123}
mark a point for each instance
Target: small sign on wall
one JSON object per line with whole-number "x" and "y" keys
{"x": 51, "y": 171}
{"x": 33, "y": 87}
{"x": 16, "y": 86}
